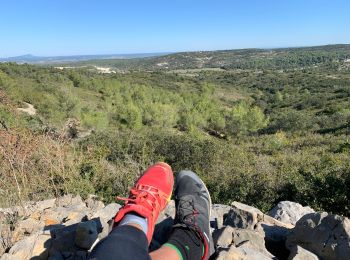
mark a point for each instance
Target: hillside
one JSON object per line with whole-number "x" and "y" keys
{"x": 285, "y": 58}
{"x": 275, "y": 130}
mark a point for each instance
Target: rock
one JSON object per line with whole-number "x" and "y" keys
{"x": 232, "y": 253}
{"x": 105, "y": 215}
{"x": 271, "y": 221}
{"x": 68, "y": 227}
{"x": 218, "y": 214}
{"x": 26, "y": 227}
{"x": 33, "y": 246}
{"x": 244, "y": 238}
{"x": 8, "y": 257}
{"x": 22, "y": 249}
{"x": 93, "y": 203}
{"x": 243, "y": 216}
{"x": 299, "y": 253}
{"x": 69, "y": 200}
{"x": 63, "y": 240}
{"x": 86, "y": 234}
{"x": 5, "y": 237}
{"x": 275, "y": 239}
{"x": 29, "y": 226}
{"x": 72, "y": 214}
{"x": 326, "y": 235}
{"x": 45, "y": 204}
{"x": 41, "y": 246}
{"x": 223, "y": 237}
{"x": 289, "y": 212}
{"x": 242, "y": 253}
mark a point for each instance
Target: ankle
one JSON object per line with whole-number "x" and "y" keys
{"x": 135, "y": 220}
{"x": 187, "y": 243}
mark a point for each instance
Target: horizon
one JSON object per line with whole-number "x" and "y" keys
{"x": 80, "y": 28}
{"x": 168, "y": 52}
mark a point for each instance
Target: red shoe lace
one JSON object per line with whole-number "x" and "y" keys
{"x": 145, "y": 195}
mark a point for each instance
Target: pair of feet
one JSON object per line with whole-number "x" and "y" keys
{"x": 153, "y": 191}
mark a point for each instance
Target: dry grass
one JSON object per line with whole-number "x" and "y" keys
{"x": 33, "y": 166}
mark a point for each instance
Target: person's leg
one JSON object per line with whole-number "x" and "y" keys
{"x": 135, "y": 221}
{"x": 124, "y": 243}
{"x": 190, "y": 238}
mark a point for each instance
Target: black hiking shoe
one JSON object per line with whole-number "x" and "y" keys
{"x": 193, "y": 208}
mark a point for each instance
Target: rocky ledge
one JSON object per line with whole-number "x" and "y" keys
{"x": 68, "y": 227}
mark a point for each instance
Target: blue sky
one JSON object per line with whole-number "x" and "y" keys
{"x": 69, "y": 27}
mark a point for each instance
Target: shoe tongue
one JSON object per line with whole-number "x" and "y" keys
{"x": 186, "y": 209}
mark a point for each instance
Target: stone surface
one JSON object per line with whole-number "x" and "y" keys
{"x": 67, "y": 227}
{"x": 275, "y": 238}
{"x": 94, "y": 204}
{"x": 8, "y": 257}
{"x": 105, "y": 215}
{"x": 299, "y": 253}
{"x": 232, "y": 253}
{"x": 68, "y": 200}
{"x": 41, "y": 246}
{"x": 243, "y": 239}
{"x": 86, "y": 234}
{"x": 29, "y": 226}
{"x": 223, "y": 237}
{"x": 249, "y": 239}
{"x": 45, "y": 204}
{"x": 33, "y": 246}
{"x": 327, "y": 236}
{"x": 289, "y": 212}
{"x": 243, "y": 216}
{"x": 21, "y": 249}
{"x": 218, "y": 214}
{"x": 242, "y": 253}
{"x": 5, "y": 238}
{"x": 169, "y": 211}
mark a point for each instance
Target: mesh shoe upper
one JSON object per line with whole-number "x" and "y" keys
{"x": 149, "y": 196}
{"x": 193, "y": 205}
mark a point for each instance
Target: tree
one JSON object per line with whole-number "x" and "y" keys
{"x": 244, "y": 119}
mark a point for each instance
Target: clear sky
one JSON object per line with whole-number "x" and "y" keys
{"x": 69, "y": 27}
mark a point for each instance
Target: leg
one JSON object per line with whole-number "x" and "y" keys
{"x": 124, "y": 242}
{"x": 190, "y": 238}
{"x": 135, "y": 221}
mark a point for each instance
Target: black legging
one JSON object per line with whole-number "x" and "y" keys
{"x": 123, "y": 243}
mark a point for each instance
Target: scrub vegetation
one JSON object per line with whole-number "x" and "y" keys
{"x": 258, "y": 126}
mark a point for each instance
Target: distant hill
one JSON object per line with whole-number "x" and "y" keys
{"x": 28, "y": 58}
{"x": 281, "y": 58}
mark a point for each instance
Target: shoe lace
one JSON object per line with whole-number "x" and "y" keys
{"x": 186, "y": 216}
{"x": 187, "y": 212}
{"x": 145, "y": 195}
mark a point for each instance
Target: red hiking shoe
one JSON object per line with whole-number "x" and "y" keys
{"x": 149, "y": 196}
